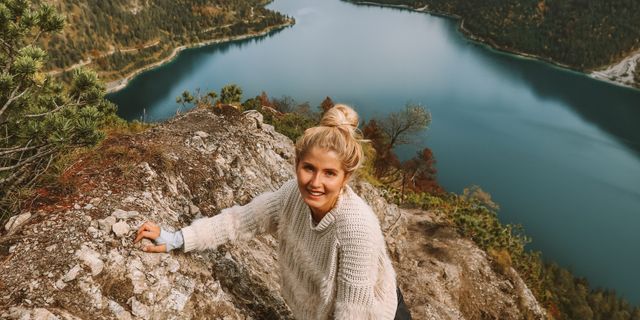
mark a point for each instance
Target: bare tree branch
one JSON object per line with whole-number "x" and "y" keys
{"x": 399, "y": 124}
{"x": 10, "y": 50}
{"x": 31, "y": 159}
{"x": 26, "y": 170}
{"x": 40, "y": 172}
{"x": 36, "y": 37}
{"x": 12, "y": 98}
{"x": 17, "y": 149}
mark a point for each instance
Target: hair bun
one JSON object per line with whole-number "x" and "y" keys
{"x": 341, "y": 116}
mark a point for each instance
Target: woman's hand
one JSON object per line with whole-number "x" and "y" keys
{"x": 150, "y": 231}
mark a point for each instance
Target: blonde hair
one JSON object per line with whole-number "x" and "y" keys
{"x": 338, "y": 131}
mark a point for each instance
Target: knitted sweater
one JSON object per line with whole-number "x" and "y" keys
{"x": 336, "y": 269}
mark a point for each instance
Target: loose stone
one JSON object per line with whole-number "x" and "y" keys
{"x": 121, "y": 229}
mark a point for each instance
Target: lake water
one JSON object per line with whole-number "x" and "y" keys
{"x": 558, "y": 151}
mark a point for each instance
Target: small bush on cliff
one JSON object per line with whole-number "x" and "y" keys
{"x": 286, "y": 115}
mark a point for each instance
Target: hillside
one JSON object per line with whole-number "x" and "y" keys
{"x": 589, "y": 36}
{"x": 73, "y": 255}
{"x": 116, "y": 38}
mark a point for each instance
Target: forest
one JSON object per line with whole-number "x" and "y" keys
{"x": 118, "y": 37}
{"x": 584, "y": 35}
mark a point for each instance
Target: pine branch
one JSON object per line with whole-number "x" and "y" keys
{"x": 46, "y": 113}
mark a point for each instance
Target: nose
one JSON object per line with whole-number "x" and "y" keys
{"x": 315, "y": 180}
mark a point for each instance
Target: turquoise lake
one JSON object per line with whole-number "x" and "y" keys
{"x": 559, "y": 151}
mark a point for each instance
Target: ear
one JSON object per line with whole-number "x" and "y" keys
{"x": 347, "y": 178}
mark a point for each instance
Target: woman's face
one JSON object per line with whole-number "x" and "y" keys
{"x": 320, "y": 179}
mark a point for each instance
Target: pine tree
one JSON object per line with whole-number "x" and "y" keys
{"x": 39, "y": 119}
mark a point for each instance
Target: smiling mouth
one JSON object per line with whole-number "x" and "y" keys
{"x": 315, "y": 194}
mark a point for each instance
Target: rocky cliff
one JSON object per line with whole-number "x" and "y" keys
{"x": 72, "y": 256}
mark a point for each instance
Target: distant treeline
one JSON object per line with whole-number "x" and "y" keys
{"x": 98, "y": 29}
{"x": 584, "y": 34}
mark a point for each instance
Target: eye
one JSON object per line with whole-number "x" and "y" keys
{"x": 331, "y": 173}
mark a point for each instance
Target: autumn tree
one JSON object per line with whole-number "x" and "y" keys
{"x": 326, "y": 104}
{"x": 385, "y": 134}
{"x": 39, "y": 119}
{"x": 419, "y": 173}
{"x": 385, "y": 160}
{"x": 264, "y": 100}
{"x": 401, "y": 126}
{"x": 285, "y": 104}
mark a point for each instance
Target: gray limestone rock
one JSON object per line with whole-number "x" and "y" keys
{"x": 91, "y": 259}
{"x": 106, "y": 223}
{"x": 123, "y": 215}
{"x": 16, "y": 221}
{"x": 193, "y": 209}
{"x": 120, "y": 229}
{"x": 72, "y": 274}
{"x": 118, "y": 311}
{"x": 139, "y": 309}
{"x": 255, "y": 118}
{"x": 201, "y": 134}
{"x": 43, "y": 314}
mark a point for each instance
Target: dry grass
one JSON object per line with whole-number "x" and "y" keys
{"x": 501, "y": 260}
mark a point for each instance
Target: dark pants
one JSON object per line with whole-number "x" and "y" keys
{"x": 402, "y": 313}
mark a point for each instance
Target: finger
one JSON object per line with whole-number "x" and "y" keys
{"x": 144, "y": 227}
{"x": 139, "y": 235}
{"x": 144, "y": 234}
{"x": 160, "y": 248}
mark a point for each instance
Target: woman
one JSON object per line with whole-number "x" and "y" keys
{"x": 331, "y": 251}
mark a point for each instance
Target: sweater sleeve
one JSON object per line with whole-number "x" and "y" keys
{"x": 365, "y": 282}
{"x": 356, "y": 276}
{"x": 236, "y": 223}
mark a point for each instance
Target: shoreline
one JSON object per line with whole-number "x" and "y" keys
{"x": 117, "y": 85}
{"x": 621, "y": 72}
{"x": 606, "y": 74}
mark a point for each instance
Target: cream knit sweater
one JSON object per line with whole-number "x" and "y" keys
{"x": 337, "y": 269}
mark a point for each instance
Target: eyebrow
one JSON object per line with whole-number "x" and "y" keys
{"x": 304, "y": 163}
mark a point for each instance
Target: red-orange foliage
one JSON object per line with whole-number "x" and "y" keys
{"x": 326, "y": 104}
{"x": 265, "y": 101}
{"x": 420, "y": 173}
{"x": 386, "y": 160}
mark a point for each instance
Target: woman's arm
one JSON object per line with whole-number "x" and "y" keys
{"x": 365, "y": 276}
{"x": 238, "y": 222}
{"x": 356, "y": 277}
